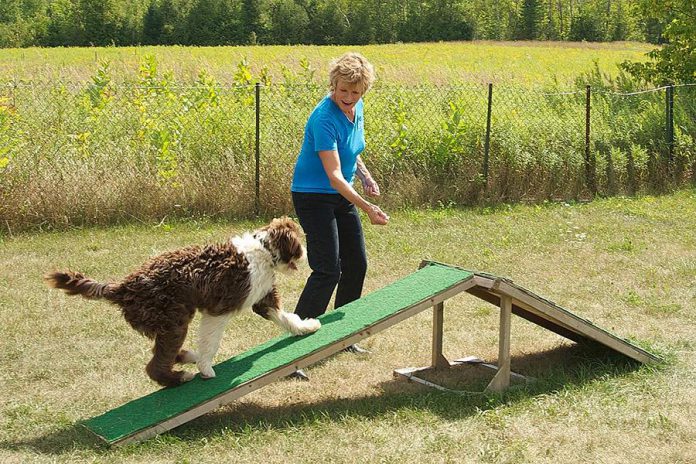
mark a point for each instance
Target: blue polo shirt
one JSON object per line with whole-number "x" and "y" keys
{"x": 328, "y": 129}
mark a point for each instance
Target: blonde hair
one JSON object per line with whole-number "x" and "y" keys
{"x": 352, "y": 68}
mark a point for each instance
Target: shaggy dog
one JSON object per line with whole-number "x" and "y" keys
{"x": 160, "y": 299}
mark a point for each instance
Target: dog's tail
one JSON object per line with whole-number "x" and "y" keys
{"x": 74, "y": 283}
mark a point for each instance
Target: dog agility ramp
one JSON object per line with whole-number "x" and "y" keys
{"x": 428, "y": 287}
{"x": 513, "y": 299}
{"x": 167, "y": 408}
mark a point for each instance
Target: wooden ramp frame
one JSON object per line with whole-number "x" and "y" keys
{"x": 428, "y": 287}
{"x": 513, "y": 299}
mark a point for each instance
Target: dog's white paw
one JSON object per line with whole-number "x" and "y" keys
{"x": 206, "y": 371}
{"x": 187, "y": 357}
{"x": 186, "y": 376}
{"x": 307, "y": 326}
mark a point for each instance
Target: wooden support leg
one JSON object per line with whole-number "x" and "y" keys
{"x": 501, "y": 381}
{"x": 438, "y": 361}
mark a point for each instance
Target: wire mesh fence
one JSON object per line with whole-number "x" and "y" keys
{"x": 99, "y": 153}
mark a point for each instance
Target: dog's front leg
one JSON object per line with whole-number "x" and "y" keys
{"x": 209, "y": 337}
{"x": 269, "y": 308}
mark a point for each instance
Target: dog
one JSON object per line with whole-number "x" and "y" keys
{"x": 160, "y": 299}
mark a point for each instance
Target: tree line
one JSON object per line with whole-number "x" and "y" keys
{"x": 52, "y": 23}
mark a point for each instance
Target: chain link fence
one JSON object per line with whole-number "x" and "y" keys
{"x": 100, "y": 153}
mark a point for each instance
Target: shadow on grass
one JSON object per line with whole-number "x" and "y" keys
{"x": 564, "y": 367}
{"x": 567, "y": 366}
{"x": 64, "y": 440}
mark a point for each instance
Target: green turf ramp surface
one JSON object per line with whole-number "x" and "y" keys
{"x": 337, "y": 325}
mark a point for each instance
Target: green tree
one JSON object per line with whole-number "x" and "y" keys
{"x": 100, "y": 22}
{"x": 411, "y": 24}
{"x": 429, "y": 20}
{"x": 529, "y": 20}
{"x": 63, "y": 28}
{"x": 288, "y": 22}
{"x": 586, "y": 25}
{"x": 212, "y": 22}
{"x": 385, "y": 17}
{"x": 492, "y": 20}
{"x": 445, "y": 20}
{"x": 10, "y": 11}
{"x": 22, "y": 22}
{"x": 675, "y": 61}
{"x": 175, "y": 15}
{"x": 328, "y": 24}
{"x": 153, "y": 25}
{"x": 251, "y": 19}
{"x": 361, "y": 30}
{"x": 130, "y": 15}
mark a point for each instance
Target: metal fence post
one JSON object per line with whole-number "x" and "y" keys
{"x": 669, "y": 103}
{"x": 589, "y": 165}
{"x": 487, "y": 144}
{"x": 257, "y": 199}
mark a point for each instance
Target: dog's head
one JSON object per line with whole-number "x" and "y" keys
{"x": 283, "y": 239}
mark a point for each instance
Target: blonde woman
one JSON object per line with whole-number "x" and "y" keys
{"x": 323, "y": 195}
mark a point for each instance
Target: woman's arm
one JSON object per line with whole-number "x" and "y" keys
{"x": 369, "y": 184}
{"x": 332, "y": 166}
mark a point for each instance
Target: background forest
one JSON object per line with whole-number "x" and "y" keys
{"x": 50, "y": 23}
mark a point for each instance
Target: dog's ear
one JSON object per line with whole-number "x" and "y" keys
{"x": 285, "y": 234}
{"x": 285, "y": 222}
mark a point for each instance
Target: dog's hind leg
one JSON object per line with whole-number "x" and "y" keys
{"x": 209, "y": 337}
{"x": 160, "y": 368}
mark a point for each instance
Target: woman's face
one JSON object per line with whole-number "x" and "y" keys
{"x": 346, "y": 95}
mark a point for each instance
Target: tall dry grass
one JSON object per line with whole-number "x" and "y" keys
{"x": 104, "y": 152}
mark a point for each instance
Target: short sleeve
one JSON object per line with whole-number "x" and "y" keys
{"x": 325, "y": 135}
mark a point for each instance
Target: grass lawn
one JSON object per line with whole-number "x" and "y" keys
{"x": 627, "y": 264}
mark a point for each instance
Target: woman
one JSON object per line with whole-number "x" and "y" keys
{"x": 323, "y": 196}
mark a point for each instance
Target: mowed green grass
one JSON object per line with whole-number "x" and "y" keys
{"x": 522, "y": 63}
{"x": 627, "y": 264}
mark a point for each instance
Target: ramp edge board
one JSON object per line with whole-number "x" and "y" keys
{"x": 381, "y": 309}
{"x": 539, "y": 307}
{"x": 548, "y": 314}
{"x": 263, "y": 380}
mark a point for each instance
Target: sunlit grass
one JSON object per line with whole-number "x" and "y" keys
{"x": 66, "y": 359}
{"x": 523, "y": 63}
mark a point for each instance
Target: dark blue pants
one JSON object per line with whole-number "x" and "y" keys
{"x": 335, "y": 251}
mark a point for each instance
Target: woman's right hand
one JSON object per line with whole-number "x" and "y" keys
{"x": 376, "y": 215}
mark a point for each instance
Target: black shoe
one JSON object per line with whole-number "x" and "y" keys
{"x": 354, "y": 348}
{"x": 299, "y": 374}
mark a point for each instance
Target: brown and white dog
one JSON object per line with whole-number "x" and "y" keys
{"x": 160, "y": 299}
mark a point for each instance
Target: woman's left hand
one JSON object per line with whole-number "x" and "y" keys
{"x": 370, "y": 187}
{"x": 376, "y": 215}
